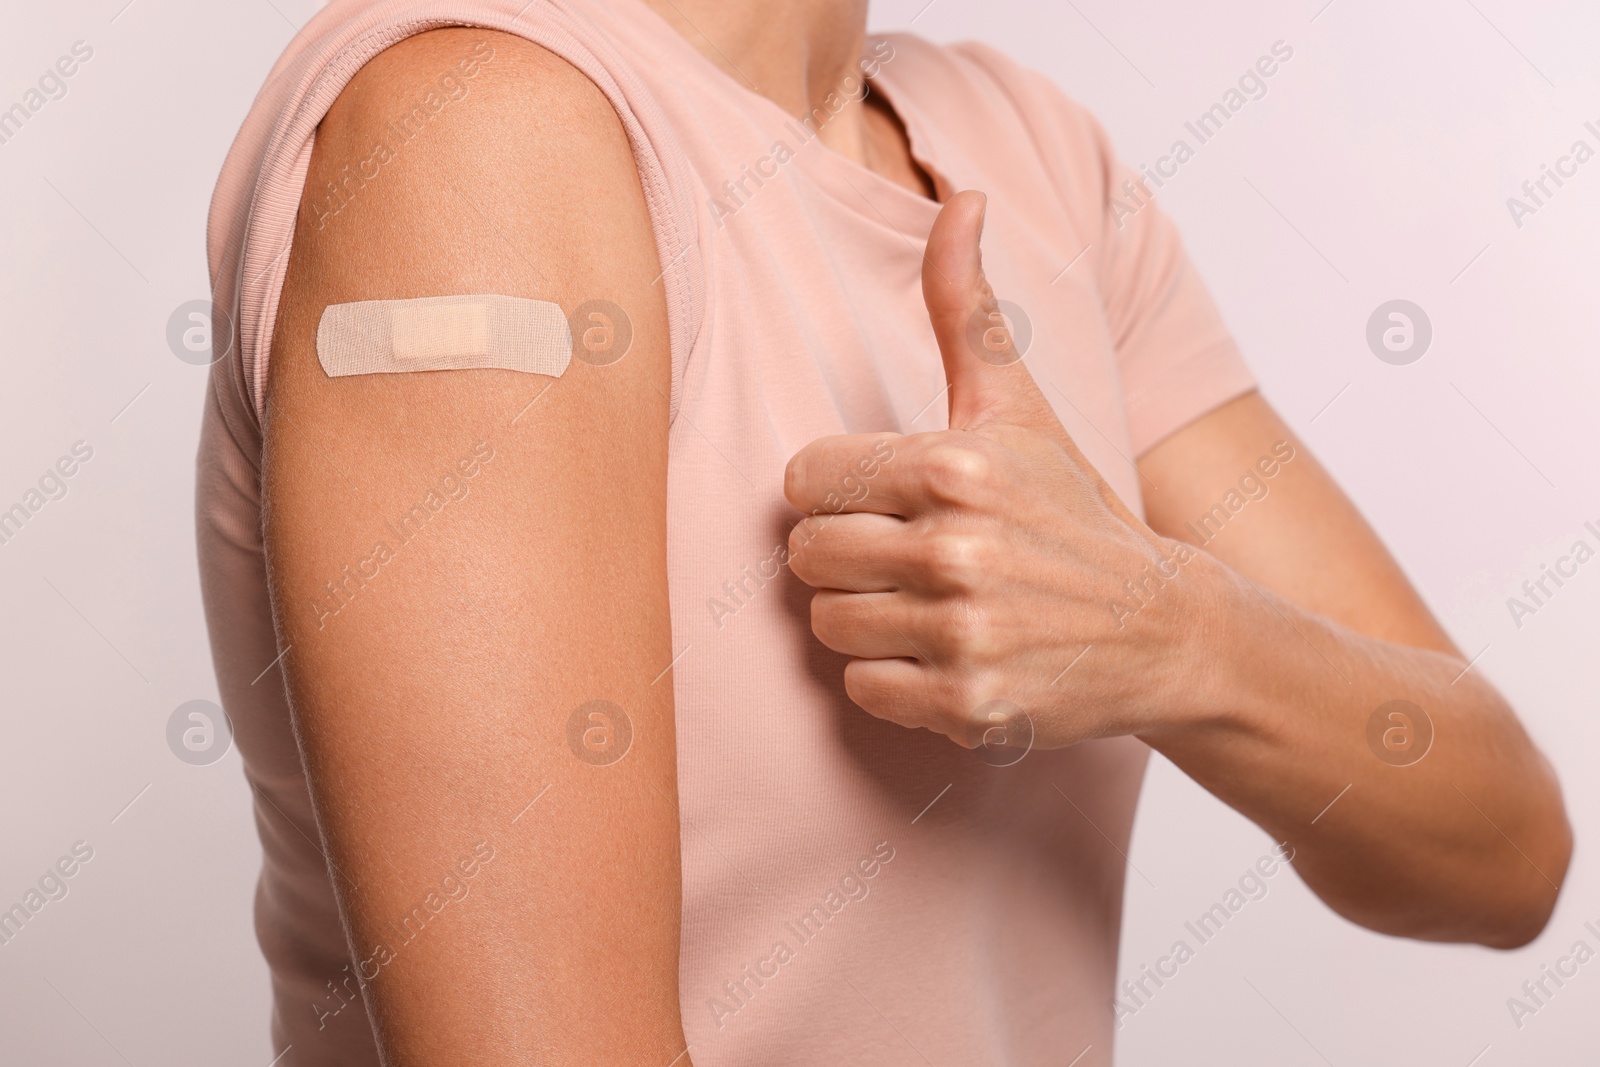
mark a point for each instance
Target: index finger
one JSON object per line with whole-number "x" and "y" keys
{"x": 845, "y": 472}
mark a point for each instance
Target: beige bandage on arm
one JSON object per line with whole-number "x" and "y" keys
{"x": 444, "y": 333}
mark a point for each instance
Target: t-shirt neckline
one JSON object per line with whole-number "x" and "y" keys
{"x": 879, "y": 199}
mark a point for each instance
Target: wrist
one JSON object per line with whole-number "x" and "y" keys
{"x": 1197, "y": 684}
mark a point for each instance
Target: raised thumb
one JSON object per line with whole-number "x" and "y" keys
{"x": 988, "y": 381}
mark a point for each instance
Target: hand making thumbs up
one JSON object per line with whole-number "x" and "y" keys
{"x": 982, "y": 561}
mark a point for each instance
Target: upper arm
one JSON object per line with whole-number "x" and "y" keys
{"x": 1240, "y": 484}
{"x": 434, "y": 704}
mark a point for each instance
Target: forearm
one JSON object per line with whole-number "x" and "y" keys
{"x": 992, "y": 575}
{"x": 1461, "y": 838}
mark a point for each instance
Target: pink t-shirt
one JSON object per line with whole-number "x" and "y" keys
{"x": 853, "y": 892}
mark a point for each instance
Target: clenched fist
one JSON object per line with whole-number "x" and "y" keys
{"x": 966, "y": 570}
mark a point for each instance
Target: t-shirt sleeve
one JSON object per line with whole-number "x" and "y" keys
{"x": 258, "y": 195}
{"x": 1175, "y": 357}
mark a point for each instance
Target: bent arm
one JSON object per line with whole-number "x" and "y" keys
{"x": 1448, "y": 825}
{"x": 461, "y": 561}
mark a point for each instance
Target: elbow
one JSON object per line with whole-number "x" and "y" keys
{"x": 1521, "y": 924}
{"x": 1526, "y": 909}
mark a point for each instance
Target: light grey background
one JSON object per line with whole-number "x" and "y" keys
{"x": 1377, "y": 167}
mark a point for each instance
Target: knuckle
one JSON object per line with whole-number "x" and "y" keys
{"x": 965, "y": 632}
{"x": 955, "y": 561}
{"x": 955, "y": 473}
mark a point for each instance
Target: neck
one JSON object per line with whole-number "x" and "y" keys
{"x": 793, "y": 52}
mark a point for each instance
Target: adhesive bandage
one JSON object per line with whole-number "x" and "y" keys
{"x": 444, "y": 333}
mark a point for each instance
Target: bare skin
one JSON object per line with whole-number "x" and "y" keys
{"x": 428, "y": 727}
{"x": 1256, "y": 671}
{"x": 995, "y": 555}
{"x": 434, "y": 709}
{"x": 795, "y": 54}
